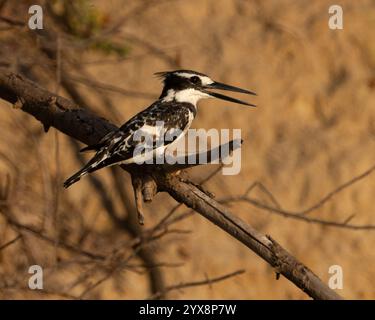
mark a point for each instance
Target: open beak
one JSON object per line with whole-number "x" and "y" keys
{"x": 222, "y": 86}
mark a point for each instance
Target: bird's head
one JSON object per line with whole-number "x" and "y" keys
{"x": 191, "y": 86}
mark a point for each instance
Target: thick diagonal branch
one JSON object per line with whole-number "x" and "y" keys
{"x": 88, "y": 128}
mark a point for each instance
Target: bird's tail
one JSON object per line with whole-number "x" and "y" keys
{"x": 76, "y": 177}
{"x": 93, "y": 165}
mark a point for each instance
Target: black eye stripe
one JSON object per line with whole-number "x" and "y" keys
{"x": 195, "y": 80}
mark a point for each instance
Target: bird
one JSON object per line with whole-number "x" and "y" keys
{"x": 175, "y": 109}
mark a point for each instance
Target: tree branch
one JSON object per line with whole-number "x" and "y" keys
{"x": 206, "y": 281}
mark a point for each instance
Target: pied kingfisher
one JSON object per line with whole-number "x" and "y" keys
{"x": 175, "y": 108}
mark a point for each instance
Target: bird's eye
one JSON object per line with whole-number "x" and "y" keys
{"x": 195, "y": 80}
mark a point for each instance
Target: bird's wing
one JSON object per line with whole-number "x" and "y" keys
{"x": 162, "y": 123}
{"x": 95, "y": 147}
{"x": 174, "y": 117}
{"x": 119, "y": 145}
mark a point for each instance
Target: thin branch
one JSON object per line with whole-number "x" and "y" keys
{"x": 111, "y": 88}
{"x": 315, "y": 206}
{"x": 207, "y": 281}
{"x": 12, "y": 21}
{"x": 301, "y": 215}
{"x": 339, "y": 189}
{"x": 292, "y": 215}
{"x": 70, "y": 247}
{"x": 9, "y": 243}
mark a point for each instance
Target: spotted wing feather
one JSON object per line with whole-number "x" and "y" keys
{"x": 118, "y": 146}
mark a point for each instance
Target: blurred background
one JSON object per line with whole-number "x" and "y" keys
{"x": 313, "y": 130}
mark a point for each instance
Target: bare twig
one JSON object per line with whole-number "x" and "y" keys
{"x": 292, "y": 215}
{"x": 207, "y": 281}
{"x": 111, "y": 88}
{"x": 339, "y": 189}
{"x": 21, "y": 227}
{"x": 9, "y": 243}
{"x": 301, "y": 215}
{"x": 12, "y": 21}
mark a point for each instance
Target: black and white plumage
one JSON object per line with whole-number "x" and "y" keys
{"x": 175, "y": 109}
